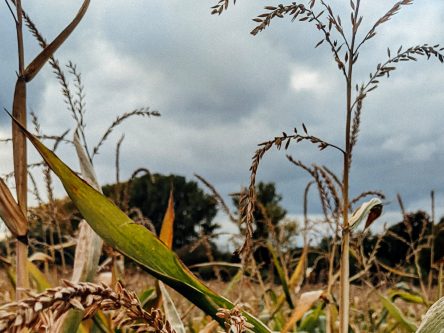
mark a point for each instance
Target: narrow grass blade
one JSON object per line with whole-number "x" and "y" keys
{"x": 40, "y": 280}
{"x": 396, "y": 313}
{"x": 295, "y": 279}
{"x": 167, "y": 230}
{"x": 88, "y": 172}
{"x": 35, "y": 66}
{"x": 216, "y": 263}
{"x": 298, "y": 273}
{"x": 398, "y": 271}
{"x": 281, "y": 274}
{"x": 20, "y": 157}
{"x": 406, "y": 296}
{"x": 135, "y": 241}
{"x": 19, "y": 144}
{"x": 146, "y": 296}
{"x": 167, "y": 236}
{"x": 170, "y": 310}
{"x": 89, "y": 244}
{"x": 311, "y": 320}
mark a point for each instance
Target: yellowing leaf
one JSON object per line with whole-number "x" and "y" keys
{"x": 11, "y": 213}
{"x": 282, "y": 275}
{"x": 304, "y": 303}
{"x": 167, "y": 230}
{"x": 295, "y": 279}
{"x": 38, "y": 277}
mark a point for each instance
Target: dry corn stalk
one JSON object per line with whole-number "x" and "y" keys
{"x": 11, "y": 213}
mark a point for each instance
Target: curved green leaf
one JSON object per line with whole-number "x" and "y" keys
{"x": 134, "y": 240}
{"x": 396, "y": 313}
{"x": 282, "y": 275}
{"x": 406, "y": 296}
{"x": 146, "y": 296}
{"x": 38, "y": 277}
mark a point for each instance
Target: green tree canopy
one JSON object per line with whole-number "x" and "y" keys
{"x": 194, "y": 210}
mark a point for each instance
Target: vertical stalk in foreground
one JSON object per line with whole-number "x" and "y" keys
{"x": 345, "y": 287}
{"x": 19, "y": 113}
{"x": 19, "y": 152}
{"x": 344, "y": 306}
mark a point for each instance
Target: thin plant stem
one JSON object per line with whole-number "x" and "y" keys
{"x": 440, "y": 280}
{"x": 20, "y": 177}
{"x": 344, "y": 305}
{"x": 331, "y": 277}
{"x": 419, "y": 273}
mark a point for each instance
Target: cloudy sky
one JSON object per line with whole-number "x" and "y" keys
{"x": 221, "y": 91}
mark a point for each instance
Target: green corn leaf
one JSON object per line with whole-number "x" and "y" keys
{"x": 146, "y": 296}
{"x": 406, "y": 296}
{"x": 281, "y": 274}
{"x": 135, "y": 241}
{"x": 296, "y": 280}
{"x": 311, "y": 319}
{"x": 38, "y": 277}
{"x": 396, "y": 313}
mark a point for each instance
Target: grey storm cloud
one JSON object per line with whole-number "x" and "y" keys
{"x": 222, "y": 91}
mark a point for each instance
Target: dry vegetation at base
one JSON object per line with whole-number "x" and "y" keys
{"x": 365, "y": 304}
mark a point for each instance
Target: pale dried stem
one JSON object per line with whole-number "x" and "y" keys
{"x": 20, "y": 154}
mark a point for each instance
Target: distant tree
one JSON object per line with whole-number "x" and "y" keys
{"x": 274, "y": 212}
{"x": 194, "y": 210}
{"x": 439, "y": 241}
{"x": 396, "y": 244}
{"x": 414, "y": 233}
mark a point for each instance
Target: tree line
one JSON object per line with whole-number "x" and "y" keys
{"x": 413, "y": 241}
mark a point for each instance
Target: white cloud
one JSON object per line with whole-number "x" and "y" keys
{"x": 304, "y": 79}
